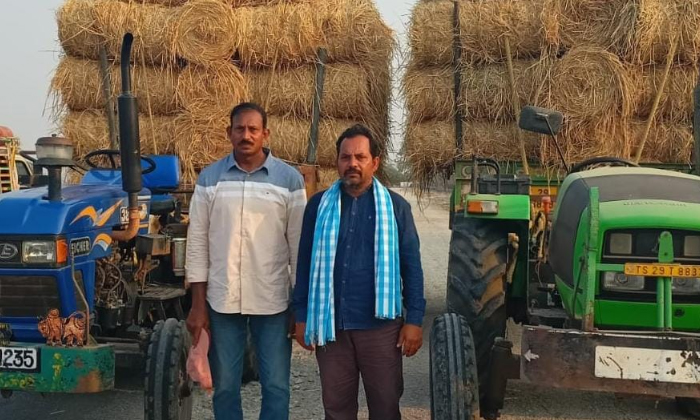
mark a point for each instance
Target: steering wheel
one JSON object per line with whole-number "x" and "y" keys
{"x": 111, "y": 154}
{"x": 608, "y": 161}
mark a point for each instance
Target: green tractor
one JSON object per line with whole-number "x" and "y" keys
{"x": 606, "y": 285}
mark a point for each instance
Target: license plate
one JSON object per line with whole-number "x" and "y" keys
{"x": 643, "y": 364}
{"x": 538, "y": 191}
{"x": 662, "y": 270}
{"x": 23, "y": 359}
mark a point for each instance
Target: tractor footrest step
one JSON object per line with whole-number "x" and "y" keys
{"x": 554, "y": 317}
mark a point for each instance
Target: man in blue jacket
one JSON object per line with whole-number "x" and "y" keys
{"x": 358, "y": 298}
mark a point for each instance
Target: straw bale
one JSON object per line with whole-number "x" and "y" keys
{"x": 211, "y": 89}
{"x": 527, "y": 24}
{"x": 88, "y": 131}
{"x": 289, "y": 138}
{"x": 291, "y": 34}
{"x": 677, "y": 99}
{"x": 326, "y": 177}
{"x": 206, "y": 31}
{"x": 79, "y": 83}
{"x": 431, "y": 146}
{"x": 151, "y": 25}
{"x": 585, "y": 139}
{"x": 355, "y": 32}
{"x": 346, "y": 91}
{"x": 77, "y": 28}
{"x": 250, "y": 3}
{"x": 169, "y": 3}
{"x": 590, "y": 82}
{"x": 607, "y": 24}
{"x": 667, "y": 142}
{"x": 486, "y": 90}
{"x": 200, "y": 140}
{"x": 662, "y": 22}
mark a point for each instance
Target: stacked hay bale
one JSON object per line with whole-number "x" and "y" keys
{"x": 600, "y": 62}
{"x": 193, "y": 60}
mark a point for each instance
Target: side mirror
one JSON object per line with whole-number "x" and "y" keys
{"x": 540, "y": 120}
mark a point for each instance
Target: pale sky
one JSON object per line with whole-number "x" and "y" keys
{"x": 29, "y": 53}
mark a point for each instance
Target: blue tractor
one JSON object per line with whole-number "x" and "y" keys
{"x": 92, "y": 275}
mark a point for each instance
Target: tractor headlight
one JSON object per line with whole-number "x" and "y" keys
{"x": 686, "y": 286}
{"x": 621, "y": 243}
{"x": 37, "y": 252}
{"x": 620, "y": 282}
{"x": 691, "y": 246}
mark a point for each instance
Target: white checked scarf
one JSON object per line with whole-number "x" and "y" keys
{"x": 320, "y": 321}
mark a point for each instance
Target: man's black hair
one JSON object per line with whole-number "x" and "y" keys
{"x": 375, "y": 148}
{"x": 248, "y": 106}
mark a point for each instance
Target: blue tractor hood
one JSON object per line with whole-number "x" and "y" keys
{"x": 82, "y": 208}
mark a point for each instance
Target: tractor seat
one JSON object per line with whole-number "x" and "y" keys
{"x": 166, "y": 177}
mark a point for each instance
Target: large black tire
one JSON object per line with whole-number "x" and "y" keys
{"x": 476, "y": 284}
{"x": 454, "y": 384}
{"x": 689, "y": 406}
{"x": 168, "y": 388}
{"x": 250, "y": 360}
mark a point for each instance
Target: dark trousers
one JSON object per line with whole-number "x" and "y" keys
{"x": 371, "y": 354}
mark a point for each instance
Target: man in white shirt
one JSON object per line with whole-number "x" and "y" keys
{"x": 245, "y": 222}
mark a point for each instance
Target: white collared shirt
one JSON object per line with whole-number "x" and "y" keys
{"x": 243, "y": 235}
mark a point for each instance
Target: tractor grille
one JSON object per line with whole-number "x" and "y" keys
{"x": 28, "y": 296}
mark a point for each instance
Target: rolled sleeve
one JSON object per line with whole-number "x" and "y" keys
{"x": 295, "y": 217}
{"x": 411, "y": 267}
{"x": 197, "y": 253}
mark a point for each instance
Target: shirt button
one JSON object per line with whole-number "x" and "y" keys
{"x": 352, "y": 230}
{"x": 345, "y": 265}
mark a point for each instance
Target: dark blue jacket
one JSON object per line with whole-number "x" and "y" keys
{"x": 353, "y": 274}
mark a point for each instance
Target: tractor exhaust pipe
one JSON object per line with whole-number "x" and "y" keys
{"x": 129, "y": 145}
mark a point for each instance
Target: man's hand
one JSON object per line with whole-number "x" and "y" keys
{"x": 196, "y": 321}
{"x": 410, "y": 339}
{"x": 299, "y": 334}
{"x": 198, "y": 317}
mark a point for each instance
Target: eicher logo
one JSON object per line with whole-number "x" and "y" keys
{"x": 8, "y": 251}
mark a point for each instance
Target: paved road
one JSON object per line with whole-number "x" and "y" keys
{"x": 523, "y": 401}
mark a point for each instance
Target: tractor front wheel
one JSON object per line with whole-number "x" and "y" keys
{"x": 454, "y": 383}
{"x": 168, "y": 388}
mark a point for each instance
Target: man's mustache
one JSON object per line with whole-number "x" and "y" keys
{"x": 352, "y": 171}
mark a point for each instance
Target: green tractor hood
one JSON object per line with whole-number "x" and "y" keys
{"x": 623, "y": 198}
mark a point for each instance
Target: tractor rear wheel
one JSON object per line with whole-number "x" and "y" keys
{"x": 476, "y": 284}
{"x": 690, "y": 406}
{"x": 168, "y": 388}
{"x": 454, "y": 384}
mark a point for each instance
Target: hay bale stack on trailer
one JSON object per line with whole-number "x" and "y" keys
{"x": 621, "y": 71}
{"x": 194, "y": 60}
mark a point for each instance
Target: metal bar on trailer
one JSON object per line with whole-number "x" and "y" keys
{"x": 696, "y": 126}
{"x": 591, "y": 262}
{"x": 106, "y": 78}
{"x": 457, "y": 69}
{"x": 316, "y": 112}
